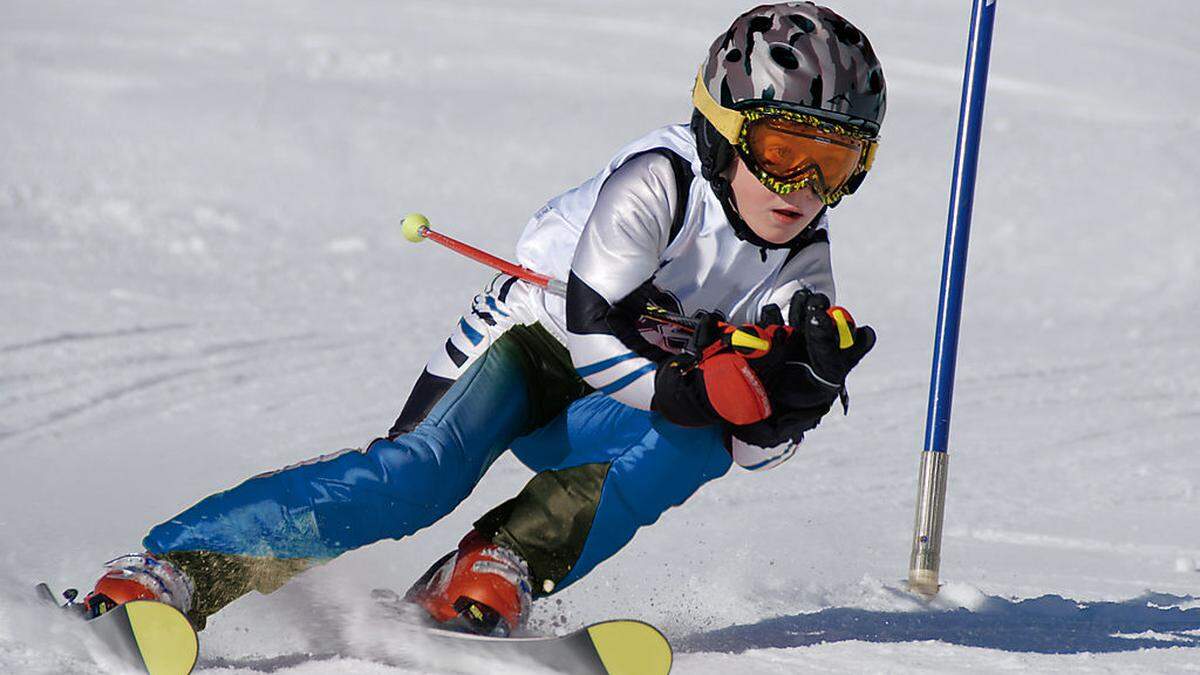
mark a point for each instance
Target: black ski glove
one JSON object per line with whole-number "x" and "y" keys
{"x": 809, "y": 373}
{"x": 832, "y": 352}
{"x": 711, "y": 381}
{"x": 768, "y": 394}
{"x": 782, "y": 427}
{"x": 680, "y": 394}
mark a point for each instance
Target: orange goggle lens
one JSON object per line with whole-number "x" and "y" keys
{"x": 794, "y": 152}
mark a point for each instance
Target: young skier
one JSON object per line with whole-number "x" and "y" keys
{"x": 620, "y": 416}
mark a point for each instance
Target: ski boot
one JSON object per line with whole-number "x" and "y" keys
{"x": 139, "y": 576}
{"x": 480, "y": 588}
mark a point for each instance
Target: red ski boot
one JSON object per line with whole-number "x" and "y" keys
{"x": 139, "y": 576}
{"x": 481, "y": 588}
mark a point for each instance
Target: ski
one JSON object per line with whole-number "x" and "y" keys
{"x": 615, "y": 647}
{"x": 619, "y": 647}
{"x": 147, "y": 636}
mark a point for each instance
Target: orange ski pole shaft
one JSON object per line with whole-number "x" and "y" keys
{"x": 416, "y": 229}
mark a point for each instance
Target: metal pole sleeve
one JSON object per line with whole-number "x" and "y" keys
{"x": 927, "y": 531}
{"x": 927, "y": 538}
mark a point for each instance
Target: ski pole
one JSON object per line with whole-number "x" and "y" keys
{"x": 416, "y": 229}
{"x": 925, "y": 562}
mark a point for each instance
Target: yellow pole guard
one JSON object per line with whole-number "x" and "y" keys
{"x": 414, "y": 226}
{"x": 741, "y": 338}
{"x": 845, "y": 335}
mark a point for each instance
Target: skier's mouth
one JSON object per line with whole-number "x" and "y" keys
{"x": 786, "y": 216}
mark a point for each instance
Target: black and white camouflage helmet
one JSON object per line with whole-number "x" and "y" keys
{"x": 800, "y": 56}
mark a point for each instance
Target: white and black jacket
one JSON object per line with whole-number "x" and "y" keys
{"x": 644, "y": 229}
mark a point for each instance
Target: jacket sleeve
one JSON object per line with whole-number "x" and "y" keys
{"x": 620, "y": 250}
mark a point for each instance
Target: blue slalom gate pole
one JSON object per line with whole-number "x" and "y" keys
{"x": 931, "y": 492}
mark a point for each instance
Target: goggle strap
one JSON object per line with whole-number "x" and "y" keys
{"x": 872, "y": 147}
{"x": 727, "y": 122}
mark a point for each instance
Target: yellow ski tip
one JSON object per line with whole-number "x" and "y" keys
{"x": 631, "y": 648}
{"x": 164, "y": 637}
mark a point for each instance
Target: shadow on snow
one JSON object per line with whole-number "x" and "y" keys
{"x": 1050, "y": 624}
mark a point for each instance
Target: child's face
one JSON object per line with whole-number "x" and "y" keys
{"x": 774, "y": 217}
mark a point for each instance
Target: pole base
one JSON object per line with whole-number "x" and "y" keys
{"x": 926, "y": 557}
{"x": 924, "y": 583}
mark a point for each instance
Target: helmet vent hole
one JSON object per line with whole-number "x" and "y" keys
{"x": 760, "y": 24}
{"x": 784, "y": 56}
{"x": 804, "y": 23}
{"x": 846, "y": 34}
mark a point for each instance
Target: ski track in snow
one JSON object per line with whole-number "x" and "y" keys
{"x": 202, "y": 280}
{"x": 82, "y": 337}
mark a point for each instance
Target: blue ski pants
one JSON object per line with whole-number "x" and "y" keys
{"x": 313, "y": 511}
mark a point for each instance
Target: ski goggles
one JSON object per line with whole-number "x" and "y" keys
{"x": 789, "y": 150}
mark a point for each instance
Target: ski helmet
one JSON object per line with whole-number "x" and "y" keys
{"x": 799, "y": 58}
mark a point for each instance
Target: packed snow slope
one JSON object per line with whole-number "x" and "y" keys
{"x": 202, "y": 278}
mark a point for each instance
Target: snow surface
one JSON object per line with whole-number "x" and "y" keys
{"x": 202, "y": 278}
